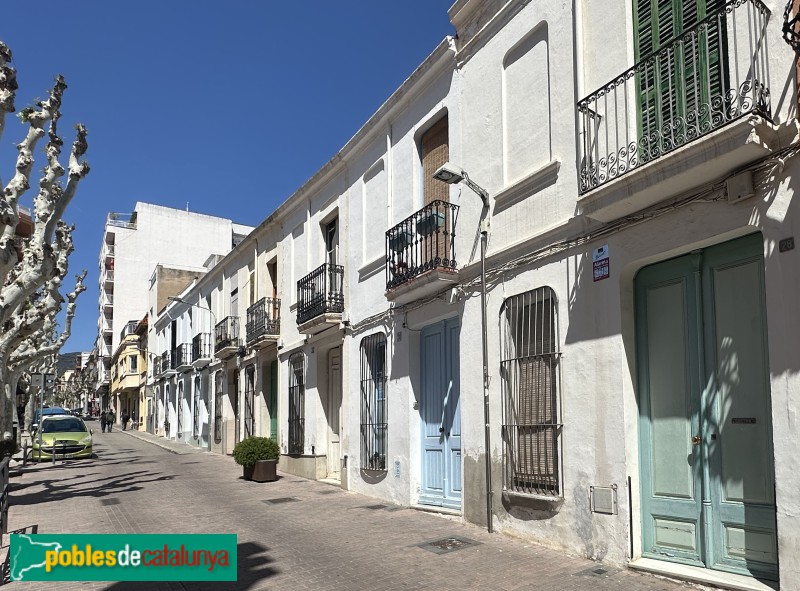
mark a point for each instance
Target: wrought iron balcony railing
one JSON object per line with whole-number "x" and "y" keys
{"x": 703, "y": 79}
{"x": 320, "y": 292}
{"x": 201, "y": 347}
{"x": 166, "y": 362}
{"x": 422, "y": 242}
{"x": 183, "y": 355}
{"x": 263, "y": 318}
{"x": 226, "y": 334}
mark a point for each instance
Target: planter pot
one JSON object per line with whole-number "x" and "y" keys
{"x": 430, "y": 223}
{"x": 262, "y": 471}
{"x": 400, "y": 240}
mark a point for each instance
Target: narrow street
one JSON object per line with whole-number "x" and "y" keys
{"x": 320, "y": 538}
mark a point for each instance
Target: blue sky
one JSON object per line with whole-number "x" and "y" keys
{"x": 229, "y": 106}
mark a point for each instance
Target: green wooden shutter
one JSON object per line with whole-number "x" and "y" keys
{"x": 674, "y": 90}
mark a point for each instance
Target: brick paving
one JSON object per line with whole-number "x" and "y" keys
{"x": 326, "y": 539}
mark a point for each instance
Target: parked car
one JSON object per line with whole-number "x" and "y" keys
{"x": 47, "y": 411}
{"x": 70, "y": 436}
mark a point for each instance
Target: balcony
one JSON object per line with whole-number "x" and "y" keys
{"x": 108, "y": 301}
{"x": 226, "y": 337}
{"x": 320, "y": 299}
{"x": 105, "y": 325}
{"x": 168, "y": 363}
{"x": 263, "y": 322}
{"x": 122, "y": 220}
{"x": 128, "y": 329}
{"x": 711, "y": 80}
{"x": 108, "y": 278}
{"x": 109, "y": 251}
{"x": 183, "y": 357}
{"x": 201, "y": 350}
{"x": 420, "y": 253}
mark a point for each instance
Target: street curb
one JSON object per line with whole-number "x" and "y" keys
{"x": 156, "y": 443}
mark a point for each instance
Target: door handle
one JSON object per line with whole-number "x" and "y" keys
{"x": 696, "y": 440}
{"x": 441, "y": 429}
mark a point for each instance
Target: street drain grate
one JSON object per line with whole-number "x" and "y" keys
{"x": 598, "y": 572}
{"x": 279, "y": 500}
{"x": 112, "y": 501}
{"x": 446, "y": 545}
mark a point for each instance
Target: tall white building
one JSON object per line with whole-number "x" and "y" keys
{"x": 133, "y": 244}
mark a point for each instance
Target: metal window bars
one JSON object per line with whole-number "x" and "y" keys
{"x": 179, "y": 412}
{"x": 374, "y": 425}
{"x": 297, "y": 397}
{"x": 530, "y": 378}
{"x": 422, "y": 242}
{"x": 218, "y": 408}
{"x": 707, "y": 76}
{"x": 249, "y": 401}
{"x": 196, "y": 408}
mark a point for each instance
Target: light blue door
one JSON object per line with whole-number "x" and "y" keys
{"x": 704, "y": 407}
{"x": 440, "y": 416}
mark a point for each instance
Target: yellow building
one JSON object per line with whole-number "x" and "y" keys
{"x": 128, "y": 373}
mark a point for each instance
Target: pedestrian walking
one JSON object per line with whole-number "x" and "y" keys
{"x": 110, "y": 418}
{"x": 103, "y": 421}
{"x": 125, "y": 418}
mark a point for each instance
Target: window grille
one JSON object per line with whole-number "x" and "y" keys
{"x": 373, "y": 402}
{"x": 297, "y": 405}
{"x": 179, "y": 410}
{"x": 530, "y": 383}
{"x": 196, "y": 409}
{"x": 249, "y": 400}
{"x": 218, "y": 408}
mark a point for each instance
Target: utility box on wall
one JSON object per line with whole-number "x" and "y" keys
{"x": 603, "y": 499}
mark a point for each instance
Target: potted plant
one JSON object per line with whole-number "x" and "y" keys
{"x": 430, "y": 222}
{"x": 258, "y": 457}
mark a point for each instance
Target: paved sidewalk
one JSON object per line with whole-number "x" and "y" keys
{"x": 166, "y": 444}
{"x": 293, "y": 534}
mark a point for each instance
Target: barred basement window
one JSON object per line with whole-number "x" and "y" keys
{"x": 373, "y": 402}
{"x": 529, "y": 369}
{"x": 297, "y": 396}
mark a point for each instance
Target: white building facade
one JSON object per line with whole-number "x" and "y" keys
{"x": 640, "y": 274}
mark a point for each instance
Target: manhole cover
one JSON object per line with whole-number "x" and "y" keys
{"x": 598, "y": 572}
{"x": 279, "y": 500}
{"x": 446, "y": 545}
{"x": 112, "y": 501}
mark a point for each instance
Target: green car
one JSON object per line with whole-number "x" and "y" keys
{"x": 71, "y": 436}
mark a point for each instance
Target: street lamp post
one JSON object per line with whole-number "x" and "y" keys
{"x": 452, "y": 174}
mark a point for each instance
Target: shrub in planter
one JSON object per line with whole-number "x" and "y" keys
{"x": 258, "y": 457}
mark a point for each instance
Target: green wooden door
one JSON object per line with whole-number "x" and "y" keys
{"x": 688, "y": 71}
{"x": 705, "y": 434}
